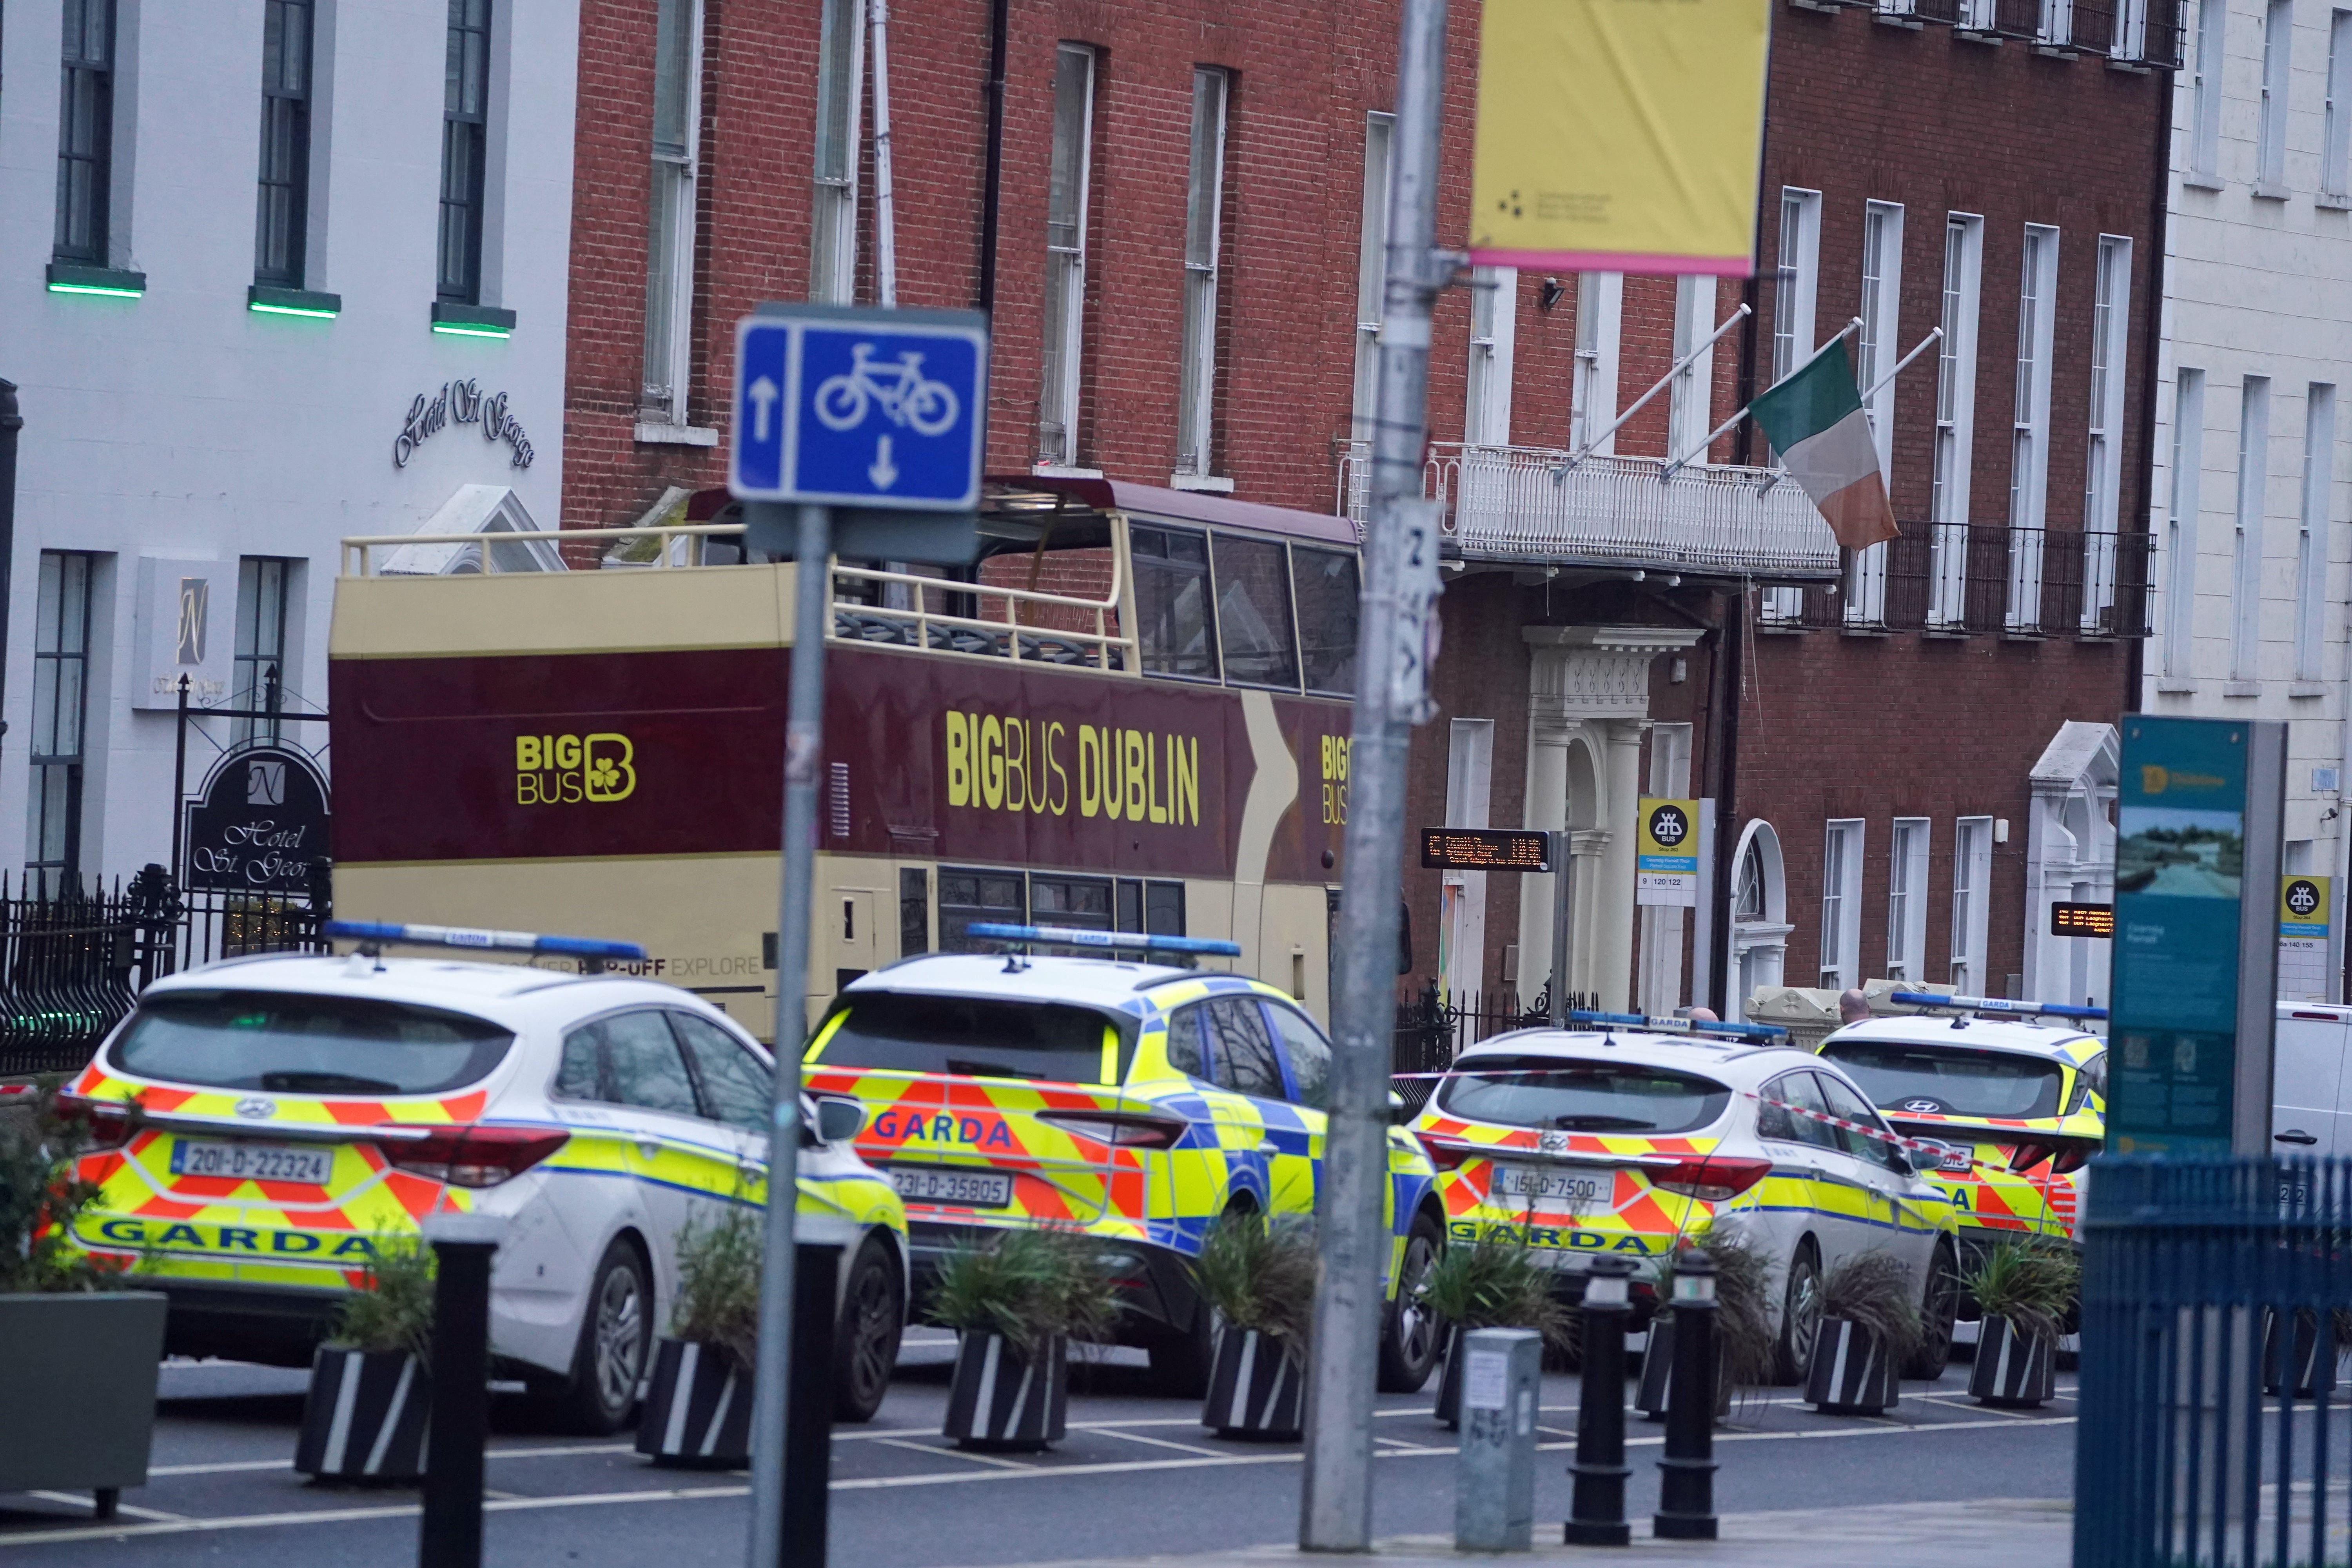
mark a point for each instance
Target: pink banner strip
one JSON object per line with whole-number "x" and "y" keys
{"x": 1616, "y": 261}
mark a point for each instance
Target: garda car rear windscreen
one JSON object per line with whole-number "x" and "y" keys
{"x": 977, "y": 1038}
{"x": 293, "y": 1044}
{"x": 1947, "y": 1081}
{"x": 1580, "y": 1097}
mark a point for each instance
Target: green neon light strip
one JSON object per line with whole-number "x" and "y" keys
{"x": 288, "y": 311}
{"x": 457, "y": 331}
{"x": 93, "y": 289}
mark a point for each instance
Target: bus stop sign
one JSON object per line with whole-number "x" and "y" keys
{"x": 849, "y": 406}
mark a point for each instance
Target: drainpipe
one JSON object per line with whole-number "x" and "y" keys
{"x": 11, "y": 422}
{"x": 886, "y": 201}
{"x": 1723, "y": 761}
{"x": 993, "y": 179}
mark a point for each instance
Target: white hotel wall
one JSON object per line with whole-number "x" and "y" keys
{"x": 181, "y": 423}
{"x": 2257, "y": 286}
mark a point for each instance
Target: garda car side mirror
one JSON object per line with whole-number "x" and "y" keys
{"x": 1399, "y": 1111}
{"x": 838, "y": 1121}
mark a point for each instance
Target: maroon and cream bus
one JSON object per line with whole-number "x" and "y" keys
{"x": 1132, "y": 714}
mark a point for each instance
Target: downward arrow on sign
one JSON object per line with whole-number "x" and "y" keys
{"x": 884, "y": 473}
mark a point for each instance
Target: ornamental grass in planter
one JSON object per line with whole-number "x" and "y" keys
{"x": 1493, "y": 1283}
{"x": 2025, "y": 1287}
{"x": 370, "y": 1400}
{"x": 80, "y": 1348}
{"x": 1257, "y": 1274}
{"x": 698, "y": 1409}
{"x": 1743, "y": 1322}
{"x": 1869, "y": 1327}
{"x": 1016, "y": 1302}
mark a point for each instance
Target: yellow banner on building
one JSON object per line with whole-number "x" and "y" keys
{"x": 1619, "y": 135}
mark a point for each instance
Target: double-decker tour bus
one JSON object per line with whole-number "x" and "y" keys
{"x": 1132, "y": 714}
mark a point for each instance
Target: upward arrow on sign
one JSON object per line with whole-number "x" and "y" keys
{"x": 762, "y": 394}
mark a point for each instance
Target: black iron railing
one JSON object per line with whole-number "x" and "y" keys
{"x": 1955, "y": 580}
{"x": 1432, "y": 1029}
{"x": 2214, "y": 1309}
{"x": 71, "y": 965}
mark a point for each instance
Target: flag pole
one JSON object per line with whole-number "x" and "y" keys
{"x": 1717, "y": 434}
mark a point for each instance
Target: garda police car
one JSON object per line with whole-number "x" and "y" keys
{"x": 264, "y": 1124}
{"x": 1625, "y": 1135}
{"x": 1132, "y": 1100}
{"x": 2013, "y": 1107}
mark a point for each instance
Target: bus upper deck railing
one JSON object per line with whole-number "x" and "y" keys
{"x": 866, "y": 613}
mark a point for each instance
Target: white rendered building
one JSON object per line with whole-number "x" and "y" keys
{"x": 2254, "y": 482}
{"x": 272, "y": 272}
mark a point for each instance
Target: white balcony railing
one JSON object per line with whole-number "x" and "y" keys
{"x": 1510, "y": 503}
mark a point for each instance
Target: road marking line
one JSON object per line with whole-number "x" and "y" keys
{"x": 120, "y": 1506}
{"x": 226, "y": 1467}
{"x": 946, "y": 1453}
{"x": 889, "y": 1483}
{"x": 1158, "y": 1442}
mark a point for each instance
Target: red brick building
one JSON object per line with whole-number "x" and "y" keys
{"x": 1167, "y": 210}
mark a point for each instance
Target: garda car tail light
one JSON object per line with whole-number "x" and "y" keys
{"x": 2028, "y": 1155}
{"x": 1123, "y": 1131}
{"x": 1447, "y": 1154}
{"x": 109, "y": 1121}
{"x": 469, "y": 1156}
{"x": 1710, "y": 1180}
{"x": 2069, "y": 1159}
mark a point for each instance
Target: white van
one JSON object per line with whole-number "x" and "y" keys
{"x": 2309, "y": 1113}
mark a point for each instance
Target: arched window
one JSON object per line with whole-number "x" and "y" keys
{"x": 1759, "y": 915}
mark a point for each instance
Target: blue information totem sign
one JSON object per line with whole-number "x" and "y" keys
{"x": 859, "y": 407}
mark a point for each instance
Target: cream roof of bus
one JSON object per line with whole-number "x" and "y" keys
{"x": 1011, "y": 495}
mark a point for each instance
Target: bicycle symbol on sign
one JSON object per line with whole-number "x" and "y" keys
{"x": 906, "y": 394}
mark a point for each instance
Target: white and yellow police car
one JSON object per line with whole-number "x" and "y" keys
{"x": 264, "y": 1124}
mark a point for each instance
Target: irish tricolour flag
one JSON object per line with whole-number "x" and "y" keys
{"x": 1814, "y": 420}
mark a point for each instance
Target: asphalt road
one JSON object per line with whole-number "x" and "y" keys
{"x": 1137, "y": 1476}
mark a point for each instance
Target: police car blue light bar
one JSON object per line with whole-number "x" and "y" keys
{"x": 1995, "y": 1004}
{"x": 1072, "y": 936}
{"x": 487, "y": 941}
{"x": 1760, "y": 1032}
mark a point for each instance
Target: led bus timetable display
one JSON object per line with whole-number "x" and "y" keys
{"x": 1485, "y": 849}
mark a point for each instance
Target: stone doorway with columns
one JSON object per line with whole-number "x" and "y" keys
{"x": 1587, "y": 710}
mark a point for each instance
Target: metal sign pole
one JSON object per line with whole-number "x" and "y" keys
{"x": 1563, "y": 912}
{"x": 804, "y": 748}
{"x": 1394, "y": 643}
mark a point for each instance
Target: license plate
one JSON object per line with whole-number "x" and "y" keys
{"x": 1578, "y": 1192}
{"x": 251, "y": 1161}
{"x": 966, "y": 1189}
{"x": 1951, "y": 1157}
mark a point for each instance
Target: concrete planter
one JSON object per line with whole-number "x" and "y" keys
{"x": 81, "y": 1368}
{"x": 1852, "y": 1373}
{"x": 2014, "y": 1369}
{"x": 698, "y": 1411}
{"x": 366, "y": 1416}
{"x": 1255, "y": 1388}
{"x": 1656, "y": 1390}
{"x": 998, "y": 1400}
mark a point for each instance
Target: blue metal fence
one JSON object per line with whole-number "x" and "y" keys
{"x": 2215, "y": 1297}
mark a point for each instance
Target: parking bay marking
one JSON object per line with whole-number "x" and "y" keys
{"x": 884, "y": 1483}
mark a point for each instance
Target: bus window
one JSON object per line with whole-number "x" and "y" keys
{"x": 1171, "y": 602}
{"x": 1254, "y": 613}
{"x": 914, "y": 911}
{"x": 1154, "y": 908}
{"x": 1083, "y": 901}
{"x": 968, "y": 896}
{"x": 1327, "y": 617}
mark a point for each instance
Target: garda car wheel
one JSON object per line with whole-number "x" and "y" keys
{"x": 614, "y": 1335}
{"x": 1939, "y": 1304}
{"x": 866, "y": 1348}
{"x": 1411, "y": 1335}
{"x": 1180, "y": 1358}
{"x": 1800, "y": 1316}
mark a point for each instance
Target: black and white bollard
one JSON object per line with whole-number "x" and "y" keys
{"x": 450, "y": 1535}
{"x": 1597, "y": 1515}
{"x": 1495, "y": 1488}
{"x": 1686, "y": 1473}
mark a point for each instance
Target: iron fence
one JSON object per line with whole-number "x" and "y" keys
{"x": 1432, "y": 1029}
{"x": 2215, "y": 1297}
{"x": 73, "y": 963}
{"x": 1958, "y": 580}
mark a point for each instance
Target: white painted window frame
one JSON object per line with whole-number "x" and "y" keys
{"x": 1906, "y": 899}
{"x": 2277, "y": 74}
{"x": 669, "y": 312}
{"x": 2104, "y": 459}
{"x": 2188, "y": 472}
{"x": 1971, "y": 903}
{"x": 2029, "y": 448}
{"x": 1062, "y": 350}
{"x": 2205, "y": 64}
{"x": 1204, "y": 197}
{"x": 1593, "y": 394}
{"x": 2311, "y": 553}
{"x": 1878, "y": 347}
{"x": 1372, "y": 265}
{"x": 1493, "y": 334}
{"x": 840, "y": 90}
{"x": 1841, "y": 954}
{"x": 1796, "y": 281}
{"x": 2335, "y": 120}
{"x": 2254, "y": 483}
{"x": 1956, "y": 398}
{"x": 1690, "y": 403}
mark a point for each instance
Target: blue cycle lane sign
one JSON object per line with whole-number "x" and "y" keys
{"x": 856, "y": 407}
